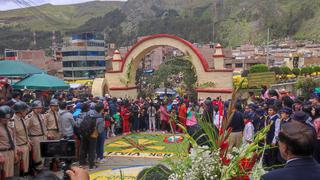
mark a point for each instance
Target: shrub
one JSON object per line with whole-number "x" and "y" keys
{"x": 307, "y": 70}
{"x": 276, "y": 70}
{"x": 316, "y": 69}
{"x": 258, "y": 68}
{"x": 296, "y": 71}
{"x": 285, "y": 70}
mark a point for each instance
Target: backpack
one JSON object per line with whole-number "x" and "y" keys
{"x": 87, "y": 126}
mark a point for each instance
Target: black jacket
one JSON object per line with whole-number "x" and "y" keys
{"x": 299, "y": 169}
{"x": 237, "y": 122}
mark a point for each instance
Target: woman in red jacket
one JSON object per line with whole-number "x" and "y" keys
{"x": 125, "y": 115}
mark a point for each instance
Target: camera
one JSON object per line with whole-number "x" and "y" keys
{"x": 65, "y": 150}
{"x": 58, "y": 149}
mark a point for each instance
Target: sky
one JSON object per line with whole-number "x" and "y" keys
{"x": 16, "y": 4}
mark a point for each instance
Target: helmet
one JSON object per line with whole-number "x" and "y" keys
{"x": 5, "y": 112}
{"x": 54, "y": 102}
{"x": 20, "y": 106}
{"x": 36, "y": 104}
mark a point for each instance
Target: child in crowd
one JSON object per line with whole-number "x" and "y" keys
{"x": 107, "y": 119}
{"x": 191, "y": 118}
{"x": 173, "y": 119}
{"x": 117, "y": 124}
{"x": 248, "y": 131}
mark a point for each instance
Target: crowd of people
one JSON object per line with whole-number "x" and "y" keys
{"x": 25, "y": 120}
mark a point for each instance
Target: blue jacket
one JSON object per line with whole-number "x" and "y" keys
{"x": 299, "y": 169}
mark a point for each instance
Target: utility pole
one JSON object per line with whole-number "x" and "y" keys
{"x": 34, "y": 39}
{"x": 268, "y": 40}
{"x": 72, "y": 70}
{"x": 54, "y": 45}
{"x": 213, "y": 20}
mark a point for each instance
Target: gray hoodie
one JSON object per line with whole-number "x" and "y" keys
{"x": 100, "y": 120}
{"x": 67, "y": 123}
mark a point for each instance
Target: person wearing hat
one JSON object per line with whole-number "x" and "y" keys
{"x": 302, "y": 117}
{"x": 297, "y": 142}
{"x": 315, "y": 100}
{"x": 7, "y": 145}
{"x": 297, "y": 106}
{"x": 37, "y": 132}
{"x": 52, "y": 121}
{"x": 270, "y": 156}
{"x": 285, "y": 115}
{"x": 21, "y": 135}
{"x": 316, "y": 122}
{"x": 67, "y": 121}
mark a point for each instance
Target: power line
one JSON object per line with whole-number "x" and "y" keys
{"x": 36, "y": 11}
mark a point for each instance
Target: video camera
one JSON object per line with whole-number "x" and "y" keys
{"x": 65, "y": 150}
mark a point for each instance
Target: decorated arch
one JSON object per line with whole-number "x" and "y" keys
{"x": 121, "y": 79}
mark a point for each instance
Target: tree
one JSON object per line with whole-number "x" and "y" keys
{"x": 258, "y": 68}
{"x": 296, "y": 71}
{"x": 169, "y": 74}
{"x": 307, "y": 86}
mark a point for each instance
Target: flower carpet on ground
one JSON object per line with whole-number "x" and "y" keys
{"x": 147, "y": 146}
{"x": 128, "y": 173}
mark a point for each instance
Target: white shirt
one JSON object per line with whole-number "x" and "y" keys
{"x": 217, "y": 119}
{"x": 248, "y": 133}
{"x": 276, "y": 130}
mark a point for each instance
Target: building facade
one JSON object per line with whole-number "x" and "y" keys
{"x": 36, "y": 58}
{"x": 83, "y": 57}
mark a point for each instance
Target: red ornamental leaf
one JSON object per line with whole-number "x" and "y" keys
{"x": 221, "y": 131}
{"x": 225, "y": 161}
{"x": 244, "y": 177}
{"x": 246, "y": 164}
{"x": 224, "y": 145}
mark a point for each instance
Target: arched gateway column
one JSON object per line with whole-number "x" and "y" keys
{"x": 121, "y": 80}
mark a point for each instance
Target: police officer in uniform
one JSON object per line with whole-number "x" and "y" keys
{"x": 21, "y": 134}
{"x": 7, "y": 143}
{"x": 52, "y": 121}
{"x": 37, "y": 132}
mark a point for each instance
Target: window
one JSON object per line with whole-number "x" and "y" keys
{"x": 10, "y": 53}
{"x": 228, "y": 65}
{"x": 85, "y": 74}
{"x": 83, "y": 53}
{"x": 238, "y": 65}
{"x": 99, "y": 63}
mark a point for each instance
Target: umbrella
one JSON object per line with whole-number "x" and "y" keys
{"x": 163, "y": 91}
{"x": 41, "y": 82}
{"x": 17, "y": 68}
{"x": 75, "y": 85}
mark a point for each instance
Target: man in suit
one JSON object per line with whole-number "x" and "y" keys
{"x": 296, "y": 144}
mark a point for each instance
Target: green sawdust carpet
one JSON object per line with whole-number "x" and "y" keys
{"x": 147, "y": 146}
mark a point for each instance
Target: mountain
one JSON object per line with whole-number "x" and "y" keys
{"x": 235, "y": 22}
{"x": 50, "y": 17}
